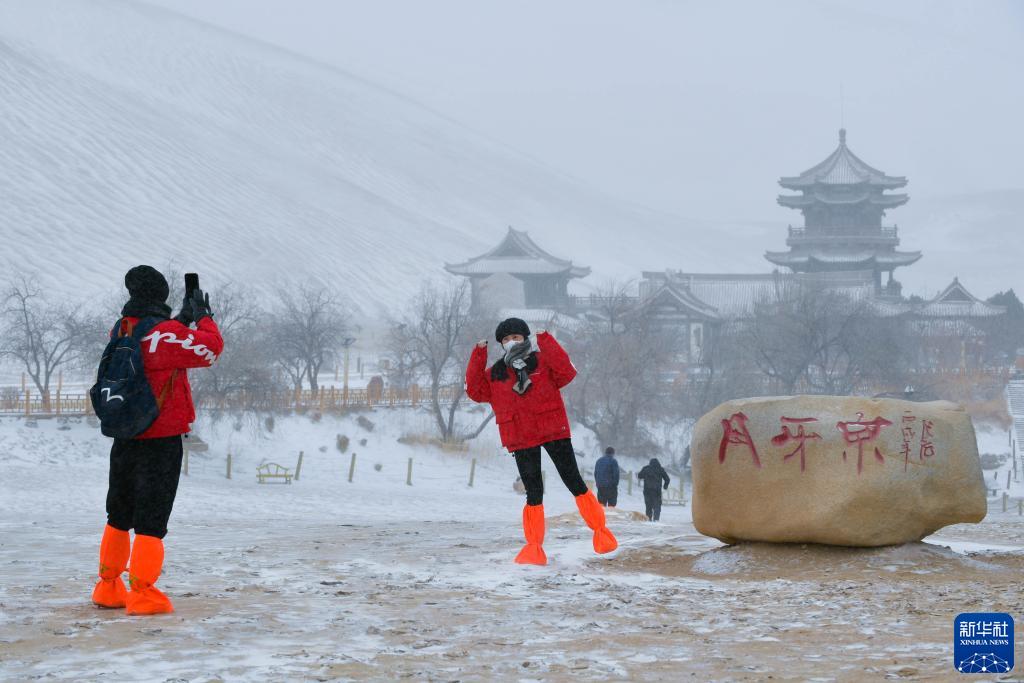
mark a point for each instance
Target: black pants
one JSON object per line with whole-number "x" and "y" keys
{"x": 562, "y": 454}
{"x": 143, "y": 482}
{"x": 652, "y": 501}
{"x": 608, "y": 495}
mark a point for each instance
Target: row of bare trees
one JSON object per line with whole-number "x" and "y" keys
{"x": 635, "y": 372}
{"x": 634, "y": 367}
{"x": 284, "y": 341}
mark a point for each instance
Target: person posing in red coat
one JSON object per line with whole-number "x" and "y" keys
{"x": 523, "y": 388}
{"x": 144, "y": 470}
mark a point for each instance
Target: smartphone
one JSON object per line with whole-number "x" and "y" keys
{"x": 191, "y": 284}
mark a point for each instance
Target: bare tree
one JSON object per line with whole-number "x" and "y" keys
{"x": 622, "y": 355}
{"x": 825, "y": 342}
{"x": 727, "y": 371}
{"x": 43, "y": 336}
{"x": 430, "y": 342}
{"x": 308, "y": 326}
{"x": 247, "y": 365}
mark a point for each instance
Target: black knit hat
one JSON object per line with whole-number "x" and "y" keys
{"x": 146, "y": 283}
{"x": 609, "y": 451}
{"x": 511, "y": 326}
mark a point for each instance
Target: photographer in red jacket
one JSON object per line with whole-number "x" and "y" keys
{"x": 144, "y": 470}
{"x": 523, "y": 388}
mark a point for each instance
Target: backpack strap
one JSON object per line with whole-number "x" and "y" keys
{"x": 143, "y": 327}
{"x": 166, "y": 390}
{"x": 139, "y": 330}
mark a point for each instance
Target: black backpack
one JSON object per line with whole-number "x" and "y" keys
{"x": 122, "y": 398}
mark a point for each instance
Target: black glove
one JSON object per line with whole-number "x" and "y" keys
{"x": 185, "y": 315}
{"x": 200, "y": 305}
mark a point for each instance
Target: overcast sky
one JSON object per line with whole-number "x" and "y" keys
{"x": 692, "y": 107}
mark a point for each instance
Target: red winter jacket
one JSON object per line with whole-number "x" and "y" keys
{"x": 536, "y": 417}
{"x": 170, "y": 347}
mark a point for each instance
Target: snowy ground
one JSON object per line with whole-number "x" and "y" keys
{"x": 327, "y": 580}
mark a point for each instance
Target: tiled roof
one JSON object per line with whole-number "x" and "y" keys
{"x": 517, "y": 254}
{"x": 842, "y": 167}
{"x": 673, "y": 296}
{"x": 730, "y": 295}
{"x": 884, "y": 258}
{"x": 811, "y": 197}
{"x": 956, "y": 302}
{"x": 736, "y": 295}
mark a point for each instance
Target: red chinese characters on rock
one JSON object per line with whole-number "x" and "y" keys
{"x": 908, "y": 436}
{"x": 860, "y": 432}
{"x": 927, "y": 446}
{"x": 797, "y": 431}
{"x": 735, "y": 433}
{"x": 801, "y": 437}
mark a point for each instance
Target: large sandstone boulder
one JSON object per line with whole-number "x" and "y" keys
{"x": 835, "y": 470}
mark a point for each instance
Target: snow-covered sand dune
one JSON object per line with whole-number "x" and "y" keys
{"x": 134, "y": 134}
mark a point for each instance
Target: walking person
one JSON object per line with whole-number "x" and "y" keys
{"x": 147, "y": 420}
{"x": 606, "y": 476}
{"x": 523, "y": 388}
{"x": 653, "y": 475}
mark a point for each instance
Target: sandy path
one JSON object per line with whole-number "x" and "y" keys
{"x": 441, "y": 601}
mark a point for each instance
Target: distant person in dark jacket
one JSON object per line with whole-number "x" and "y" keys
{"x": 653, "y": 475}
{"x": 606, "y": 476}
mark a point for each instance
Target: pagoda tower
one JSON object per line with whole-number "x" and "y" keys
{"x": 843, "y": 201}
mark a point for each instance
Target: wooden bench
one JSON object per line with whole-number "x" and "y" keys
{"x": 271, "y": 471}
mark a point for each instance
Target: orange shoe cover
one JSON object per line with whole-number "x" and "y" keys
{"x": 533, "y": 530}
{"x": 147, "y": 561}
{"x": 114, "y": 550}
{"x": 593, "y": 515}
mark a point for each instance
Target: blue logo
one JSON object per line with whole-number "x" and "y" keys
{"x": 983, "y": 643}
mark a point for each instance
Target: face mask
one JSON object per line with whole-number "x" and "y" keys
{"x": 508, "y": 345}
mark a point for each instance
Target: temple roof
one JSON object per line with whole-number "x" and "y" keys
{"x": 956, "y": 302}
{"x": 811, "y": 197}
{"x": 675, "y": 296}
{"x": 517, "y": 254}
{"x": 848, "y": 259}
{"x": 842, "y": 167}
{"x": 736, "y": 295}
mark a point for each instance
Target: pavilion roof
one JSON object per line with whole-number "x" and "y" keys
{"x": 842, "y": 167}
{"x": 848, "y": 259}
{"x": 517, "y": 254}
{"x": 956, "y": 302}
{"x": 814, "y": 196}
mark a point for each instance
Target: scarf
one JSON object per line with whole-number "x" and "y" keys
{"x": 517, "y": 358}
{"x": 140, "y": 308}
{"x": 499, "y": 371}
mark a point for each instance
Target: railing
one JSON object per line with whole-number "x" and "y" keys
{"x": 339, "y": 399}
{"x": 845, "y": 233}
{"x": 325, "y": 399}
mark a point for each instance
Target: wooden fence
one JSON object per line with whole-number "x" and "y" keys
{"x": 333, "y": 399}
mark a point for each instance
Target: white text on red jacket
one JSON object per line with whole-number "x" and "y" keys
{"x": 199, "y": 349}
